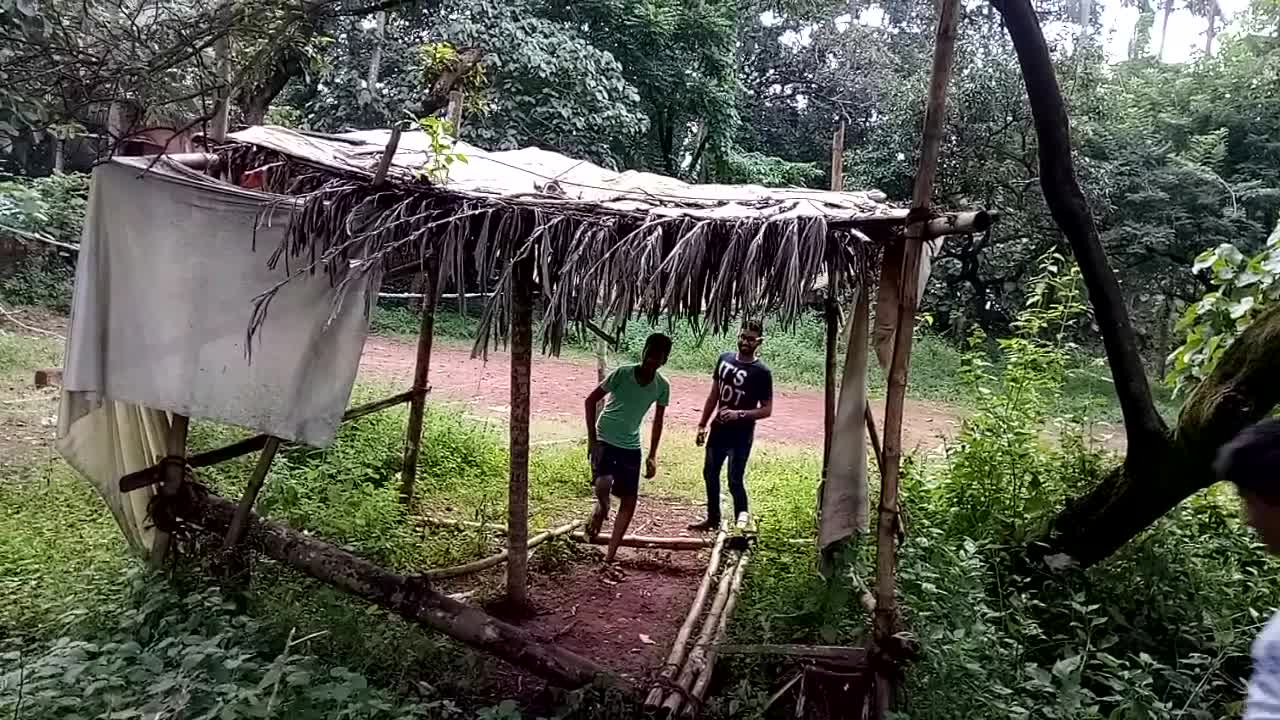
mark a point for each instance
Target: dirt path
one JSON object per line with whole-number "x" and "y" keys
{"x": 560, "y": 384}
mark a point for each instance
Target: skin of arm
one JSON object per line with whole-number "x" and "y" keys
{"x": 591, "y": 403}
{"x": 709, "y": 406}
{"x": 655, "y": 437}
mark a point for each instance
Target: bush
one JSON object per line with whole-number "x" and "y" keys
{"x": 52, "y": 207}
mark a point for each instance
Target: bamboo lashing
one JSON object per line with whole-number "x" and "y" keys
{"x": 886, "y": 614}
{"x": 499, "y": 558}
{"x": 679, "y": 648}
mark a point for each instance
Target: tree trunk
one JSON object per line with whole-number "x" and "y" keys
{"x": 1162, "y": 468}
{"x": 375, "y": 58}
{"x": 409, "y": 596}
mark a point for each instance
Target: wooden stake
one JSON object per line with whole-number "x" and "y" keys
{"x": 677, "y": 697}
{"x": 236, "y": 531}
{"x": 175, "y": 447}
{"x": 498, "y": 559}
{"x": 409, "y": 596}
{"x": 518, "y": 485}
{"x": 832, "y": 311}
{"x": 652, "y": 543}
{"x": 421, "y": 371}
{"x": 873, "y": 436}
{"x": 722, "y": 630}
{"x": 886, "y": 615}
{"x": 675, "y": 660}
{"x": 454, "y": 112}
{"x": 388, "y": 154}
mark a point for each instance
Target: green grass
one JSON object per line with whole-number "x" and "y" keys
{"x": 23, "y": 353}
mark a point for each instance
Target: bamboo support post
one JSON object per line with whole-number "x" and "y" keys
{"x": 499, "y": 558}
{"x": 651, "y": 543}
{"x": 518, "y": 485}
{"x": 873, "y": 436}
{"x": 832, "y": 310}
{"x": 886, "y": 615}
{"x": 250, "y": 497}
{"x": 421, "y": 373}
{"x": 175, "y": 447}
{"x": 700, "y": 686}
{"x": 675, "y": 660}
{"x": 685, "y": 681}
{"x": 409, "y": 596}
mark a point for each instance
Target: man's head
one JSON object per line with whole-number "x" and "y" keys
{"x": 657, "y": 347}
{"x": 1251, "y": 461}
{"x": 750, "y": 337}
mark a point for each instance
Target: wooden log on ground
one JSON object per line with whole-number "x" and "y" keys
{"x": 851, "y": 656}
{"x": 722, "y": 629}
{"x": 408, "y": 596}
{"x": 652, "y": 543}
{"x": 684, "y": 683}
{"x": 675, "y": 660}
{"x": 498, "y": 559}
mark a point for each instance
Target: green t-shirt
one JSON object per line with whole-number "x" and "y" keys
{"x": 619, "y": 424}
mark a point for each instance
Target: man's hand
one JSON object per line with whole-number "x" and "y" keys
{"x": 593, "y": 453}
{"x": 701, "y": 438}
{"x": 650, "y": 467}
{"x": 727, "y": 415}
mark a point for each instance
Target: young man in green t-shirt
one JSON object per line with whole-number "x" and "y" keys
{"x": 613, "y": 440}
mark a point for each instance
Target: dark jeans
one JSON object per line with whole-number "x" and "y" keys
{"x": 736, "y": 448}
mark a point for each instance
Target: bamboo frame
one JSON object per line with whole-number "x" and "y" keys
{"x": 700, "y": 686}
{"x": 689, "y": 672}
{"x": 250, "y": 497}
{"x": 679, "y": 648}
{"x": 499, "y": 558}
{"x": 886, "y": 614}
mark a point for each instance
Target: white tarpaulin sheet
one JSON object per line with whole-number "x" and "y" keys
{"x": 164, "y": 293}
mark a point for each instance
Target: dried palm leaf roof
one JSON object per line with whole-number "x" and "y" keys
{"x": 602, "y": 243}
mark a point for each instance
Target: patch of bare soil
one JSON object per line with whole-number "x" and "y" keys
{"x": 559, "y": 385}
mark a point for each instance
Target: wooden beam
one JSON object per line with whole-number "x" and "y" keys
{"x": 853, "y": 656}
{"x": 409, "y": 596}
{"x": 421, "y": 373}
{"x": 886, "y": 615}
{"x": 679, "y": 648}
{"x": 652, "y": 543}
{"x": 250, "y": 497}
{"x": 143, "y": 478}
{"x": 499, "y": 558}
{"x": 518, "y": 482}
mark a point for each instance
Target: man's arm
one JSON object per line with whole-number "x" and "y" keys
{"x": 593, "y": 402}
{"x": 655, "y": 436}
{"x": 709, "y": 406}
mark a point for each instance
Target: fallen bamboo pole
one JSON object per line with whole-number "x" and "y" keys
{"x": 498, "y": 559}
{"x": 687, "y": 674}
{"x": 652, "y": 543}
{"x": 675, "y": 660}
{"x": 722, "y": 629}
{"x": 832, "y": 653}
{"x": 409, "y": 596}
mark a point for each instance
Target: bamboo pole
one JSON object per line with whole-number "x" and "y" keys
{"x": 722, "y": 630}
{"x": 886, "y": 615}
{"x": 832, "y": 312}
{"x": 687, "y": 674}
{"x": 499, "y": 558}
{"x": 421, "y": 372}
{"x": 388, "y": 154}
{"x": 518, "y": 485}
{"x": 652, "y": 543}
{"x": 873, "y": 436}
{"x": 833, "y": 653}
{"x": 175, "y": 447}
{"x": 675, "y": 660}
{"x": 250, "y": 497}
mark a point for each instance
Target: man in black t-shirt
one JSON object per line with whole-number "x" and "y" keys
{"x": 741, "y": 393}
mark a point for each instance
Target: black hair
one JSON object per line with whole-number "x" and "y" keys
{"x": 754, "y": 326}
{"x": 659, "y": 342}
{"x": 1251, "y": 461}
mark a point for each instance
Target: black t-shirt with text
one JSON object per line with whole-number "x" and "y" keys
{"x": 743, "y": 386}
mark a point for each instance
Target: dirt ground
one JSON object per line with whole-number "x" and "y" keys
{"x": 560, "y": 384}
